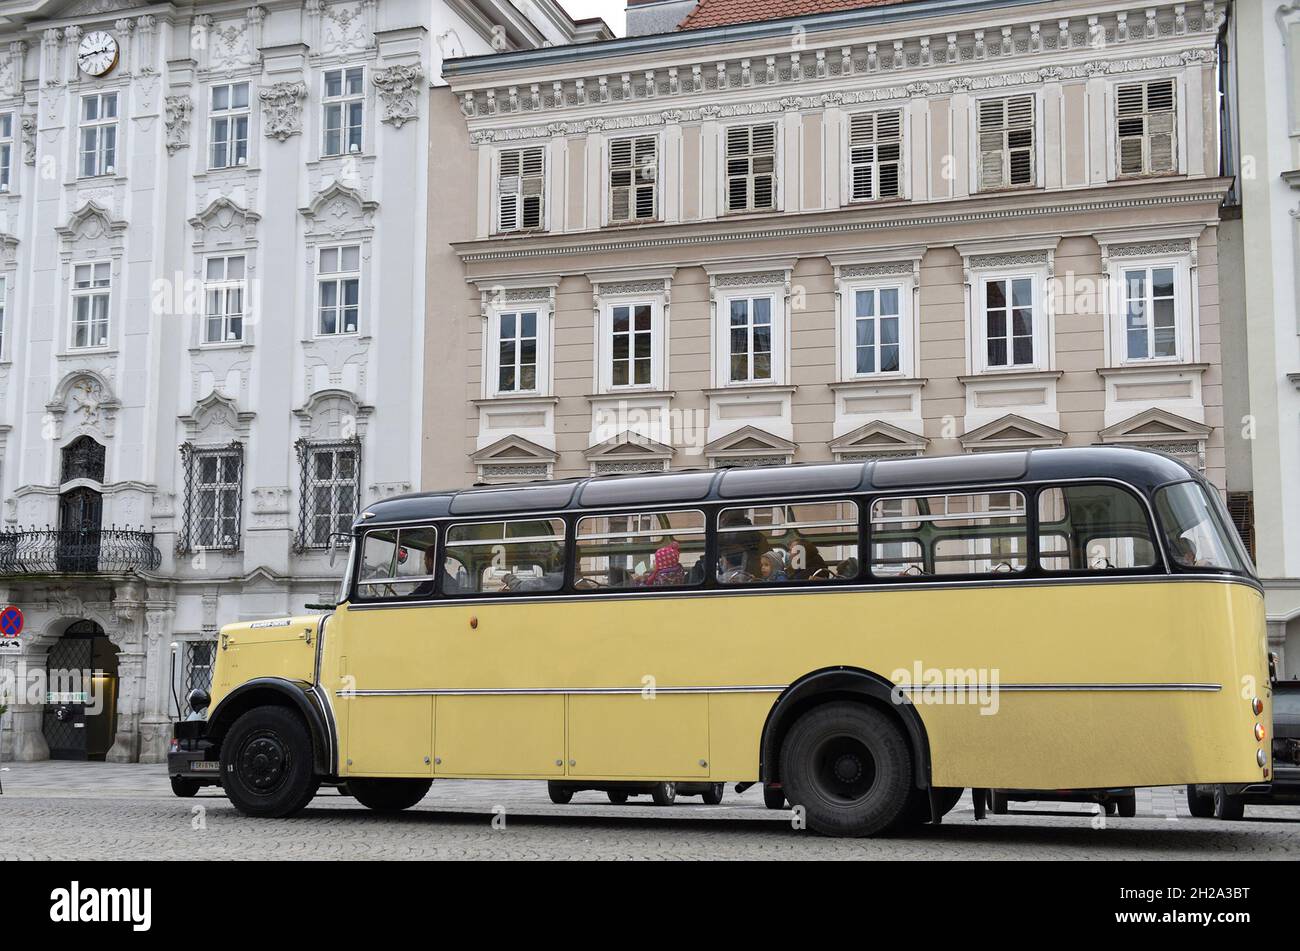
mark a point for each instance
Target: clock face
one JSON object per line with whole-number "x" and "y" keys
{"x": 97, "y": 54}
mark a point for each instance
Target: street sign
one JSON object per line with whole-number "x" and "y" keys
{"x": 11, "y": 621}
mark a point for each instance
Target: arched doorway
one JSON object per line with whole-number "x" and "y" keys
{"x": 80, "y": 719}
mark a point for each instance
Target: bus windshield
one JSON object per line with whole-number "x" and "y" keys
{"x": 1195, "y": 531}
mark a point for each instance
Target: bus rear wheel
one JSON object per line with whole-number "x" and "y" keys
{"x": 1199, "y": 804}
{"x": 664, "y": 794}
{"x": 560, "y": 794}
{"x": 266, "y": 763}
{"x": 389, "y": 795}
{"x": 850, "y": 768}
{"x": 713, "y": 795}
{"x": 1228, "y": 806}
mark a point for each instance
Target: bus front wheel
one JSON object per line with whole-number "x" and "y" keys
{"x": 389, "y": 795}
{"x": 266, "y": 764}
{"x": 849, "y": 766}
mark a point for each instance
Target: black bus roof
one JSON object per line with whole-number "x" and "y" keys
{"x": 1143, "y": 469}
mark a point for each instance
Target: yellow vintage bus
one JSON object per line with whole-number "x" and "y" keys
{"x": 866, "y": 639}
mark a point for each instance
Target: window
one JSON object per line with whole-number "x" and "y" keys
{"x": 338, "y": 282}
{"x": 398, "y": 563}
{"x": 98, "y": 134}
{"x": 4, "y": 310}
{"x": 1144, "y": 127}
{"x": 632, "y": 330}
{"x": 1006, "y": 142}
{"x": 517, "y": 352}
{"x": 1092, "y": 528}
{"x": 751, "y": 168}
{"x": 214, "y": 481}
{"x": 83, "y": 458}
{"x": 875, "y": 155}
{"x": 1197, "y": 532}
{"x": 228, "y": 125}
{"x": 1009, "y": 321}
{"x": 6, "y": 149}
{"x": 344, "y": 107}
{"x": 810, "y": 541}
{"x": 984, "y": 533}
{"x": 223, "y": 314}
{"x": 90, "y": 300}
{"x": 876, "y": 327}
{"x": 650, "y": 550}
{"x": 504, "y": 557}
{"x": 750, "y": 336}
{"x": 633, "y": 170}
{"x": 1150, "y": 313}
{"x": 331, "y": 484}
{"x": 521, "y": 184}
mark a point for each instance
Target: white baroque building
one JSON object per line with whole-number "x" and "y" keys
{"x": 212, "y": 254}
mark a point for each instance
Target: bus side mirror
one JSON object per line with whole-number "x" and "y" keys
{"x": 1274, "y": 662}
{"x": 332, "y": 545}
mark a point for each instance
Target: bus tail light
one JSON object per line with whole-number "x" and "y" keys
{"x": 1257, "y": 706}
{"x": 1261, "y": 757}
{"x": 1259, "y": 732}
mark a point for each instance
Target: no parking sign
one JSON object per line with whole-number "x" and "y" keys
{"x": 11, "y": 625}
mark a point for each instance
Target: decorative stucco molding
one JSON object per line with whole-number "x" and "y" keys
{"x": 177, "y": 122}
{"x": 399, "y": 92}
{"x": 282, "y": 109}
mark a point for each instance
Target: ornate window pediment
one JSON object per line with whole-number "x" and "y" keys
{"x": 628, "y": 451}
{"x": 514, "y": 459}
{"x": 216, "y": 419}
{"x": 84, "y": 402}
{"x": 1162, "y": 430}
{"x": 224, "y": 219}
{"x": 91, "y": 223}
{"x": 339, "y": 210}
{"x": 749, "y": 446}
{"x": 877, "y": 440}
{"x": 1012, "y": 432}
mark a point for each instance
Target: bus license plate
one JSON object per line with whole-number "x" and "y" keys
{"x": 205, "y": 766}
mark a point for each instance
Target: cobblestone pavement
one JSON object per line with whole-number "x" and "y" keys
{"x": 104, "y": 811}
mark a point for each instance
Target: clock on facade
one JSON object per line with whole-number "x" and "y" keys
{"x": 97, "y": 54}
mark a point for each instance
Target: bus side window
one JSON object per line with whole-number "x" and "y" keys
{"x": 1092, "y": 528}
{"x": 501, "y": 557}
{"x": 645, "y": 550}
{"x": 398, "y": 563}
{"x": 967, "y": 534}
{"x": 806, "y": 542}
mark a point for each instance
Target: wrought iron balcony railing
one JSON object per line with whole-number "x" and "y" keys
{"x": 79, "y": 551}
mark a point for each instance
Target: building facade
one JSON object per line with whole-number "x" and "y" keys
{"x": 881, "y": 231}
{"x": 1263, "y": 130}
{"x": 212, "y": 259}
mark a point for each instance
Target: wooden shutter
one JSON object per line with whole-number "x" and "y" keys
{"x": 1006, "y": 142}
{"x": 875, "y": 154}
{"x": 1144, "y": 127}
{"x": 751, "y": 168}
{"x": 633, "y": 170}
{"x": 521, "y": 184}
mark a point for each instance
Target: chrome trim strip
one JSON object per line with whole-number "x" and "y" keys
{"x": 1000, "y": 581}
{"x": 773, "y": 688}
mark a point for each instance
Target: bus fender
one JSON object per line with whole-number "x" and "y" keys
{"x": 840, "y": 683}
{"x": 278, "y": 692}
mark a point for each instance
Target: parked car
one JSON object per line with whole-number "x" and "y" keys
{"x": 1229, "y": 802}
{"x": 1120, "y": 801}
{"x": 663, "y": 794}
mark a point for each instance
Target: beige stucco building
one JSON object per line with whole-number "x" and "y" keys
{"x": 890, "y": 230}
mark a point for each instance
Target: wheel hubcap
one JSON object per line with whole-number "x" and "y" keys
{"x": 844, "y": 769}
{"x": 263, "y": 763}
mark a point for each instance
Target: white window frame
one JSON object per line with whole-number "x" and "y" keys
{"x": 656, "y": 183}
{"x": 100, "y": 126}
{"x": 219, "y": 491}
{"x": 6, "y": 150}
{"x": 846, "y": 149}
{"x": 90, "y": 294}
{"x": 724, "y": 209}
{"x": 605, "y": 348}
{"x": 1112, "y": 128}
{"x": 848, "y": 327}
{"x": 224, "y": 288}
{"x": 722, "y": 336}
{"x": 313, "y": 515}
{"x": 498, "y": 227}
{"x": 974, "y": 146}
{"x": 4, "y": 312}
{"x": 1184, "y": 338}
{"x": 1042, "y": 318}
{"x": 492, "y": 350}
{"x": 339, "y": 279}
{"x": 231, "y": 116}
{"x": 343, "y": 102}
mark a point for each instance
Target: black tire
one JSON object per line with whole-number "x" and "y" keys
{"x": 849, "y": 766}
{"x": 266, "y": 763}
{"x": 664, "y": 794}
{"x": 774, "y": 797}
{"x": 1227, "y": 806}
{"x": 998, "y": 802}
{"x": 713, "y": 795}
{"x": 1127, "y": 806}
{"x": 560, "y": 794}
{"x": 1199, "y": 804}
{"x": 185, "y": 788}
{"x": 1110, "y": 807}
{"x": 389, "y": 795}
{"x": 617, "y": 797}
